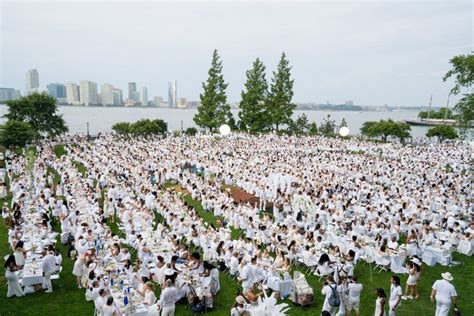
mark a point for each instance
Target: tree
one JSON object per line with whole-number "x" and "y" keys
{"x": 442, "y": 132}
{"x": 279, "y": 106}
{"x": 190, "y": 131}
{"x": 253, "y": 116}
{"x": 463, "y": 73}
{"x": 343, "y": 123}
{"x": 214, "y": 110}
{"x": 384, "y": 129}
{"x": 328, "y": 126}
{"x": 121, "y": 128}
{"x": 40, "y": 111}
{"x": 300, "y": 126}
{"x": 313, "y": 129}
{"x": 146, "y": 127}
{"x": 369, "y": 129}
{"x": 16, "y": 133}
{"x": 400, "y": 130}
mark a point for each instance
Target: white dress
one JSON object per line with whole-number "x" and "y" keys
{"x": 378, "y": 307}
{"x": 78, "y": 268}
{"x": 14, "y": 288}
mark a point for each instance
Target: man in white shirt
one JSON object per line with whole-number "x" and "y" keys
{"x": 168, "y": 299}
{"x": 354, "y": 288}
{"x": 48, "y": 264}
{"x": 246, "y": 276}
{"x": 444, "y": 293}
{"x": 328, "y": 288}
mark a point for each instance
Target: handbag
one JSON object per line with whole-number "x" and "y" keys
{"x": 456, "y": 311}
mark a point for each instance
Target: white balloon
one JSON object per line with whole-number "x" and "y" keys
{"x": 224, "y": 130}
{"x": 344, "y": 131}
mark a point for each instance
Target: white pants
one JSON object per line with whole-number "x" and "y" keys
{"x": 168, "y": 311}
{"x": 442, "y": 309}
{"x": 47, "y": 281}
{"x": 391, "y": 312}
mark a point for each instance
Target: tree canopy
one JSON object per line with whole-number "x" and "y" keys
{"x": 253, "y": 115}
{"x": 40, "y": 111}
{"x": 463, "y": 73}
{"x": 442, "y": 132}
{"x": 143, "y": 127}
{"x": 16, "y": 133}
{"x": 279, "y": 105}
{"x": 386, "y": 128}
{"x": 214, "y": 110}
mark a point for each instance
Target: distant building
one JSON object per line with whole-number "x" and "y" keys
{"x": 182, "y": 104}
{"x": 193, "y": 104}
{"x": 144, "y": 96}
{"x": 72, "y": 93}
{"x": 107, "y": 94}
{"x": 88, "y": 93}
{"x": 164, "y": 104}
{"x": 57, "y": 90}
{"x": 132, "y": 89}
{"x": 32, "y": 80}
{"x": 157, "y": 101}
{"x": 349, "y": 102}
{"x": 7, "y": 94}
{"x": 118, "y": 97}
{"x": 172, "y": 93}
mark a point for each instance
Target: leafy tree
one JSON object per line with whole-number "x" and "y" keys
{"x": 279, "y": 106}
{"x": 232, "y": 123}
{"x": 386, "y": 128}
{"x": 343, "y": 123}
{"x": 369, "y": 129}
{"x": 463, "y": 73}
{"x": 313, "y": 129}
{"x": 121, "y": 128}
{"x": 442, "y": 132}
{"x": 214, "y": 110}
{"x": 328, "y": 126}
{"x": 190, "y": 131}
{"x": 16, "y": 133}
{"x": 441, "y": 114}
{"x": 146, "y": 127}
{"x": 300, "y": 126}
{"x": 253, "y": 116}
{"x": 400, "y": 130}
{"x": 40, "y": 111}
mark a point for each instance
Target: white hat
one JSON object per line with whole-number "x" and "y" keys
{"x": 416, "y": 261}
{"x": 447, "y": 276}
{"x": 169, "y": 272}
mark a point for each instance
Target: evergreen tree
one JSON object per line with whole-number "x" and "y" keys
{"x": 313, "y": 129}
{"x": 343, "y": 123}
{"x": 214, "y": 110}
{"x": 300, "y": 126}
{"x": 279, "y": 106}
{"x": 328, "y": 126}
{"x": 253, "y": 117}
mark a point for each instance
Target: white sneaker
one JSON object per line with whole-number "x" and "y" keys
{"x": 404, "y": 298}
{"x": 410, "y": 297}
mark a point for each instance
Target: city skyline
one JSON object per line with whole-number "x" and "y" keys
{"x": 392, "y": 53}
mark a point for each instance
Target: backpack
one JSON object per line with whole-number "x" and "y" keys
{"x": 334, "y": 300}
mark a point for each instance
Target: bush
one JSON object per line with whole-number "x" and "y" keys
{"x": 190, "y": 131}
{"x": 16, "y": 133}
{"x": 143, "y": 127}
{"x": 383, "y": 129}
{"x": 121, "y": 128}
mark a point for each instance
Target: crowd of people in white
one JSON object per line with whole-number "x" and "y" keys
{"x": 324, "y": 204}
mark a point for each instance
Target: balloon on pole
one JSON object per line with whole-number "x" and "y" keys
{"x": 344, "y": 131}
{"x": 224, "y": 130}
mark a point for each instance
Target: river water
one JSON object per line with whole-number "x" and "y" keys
{"x": 101, "y": 119}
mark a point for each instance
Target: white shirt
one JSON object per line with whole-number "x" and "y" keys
{"x": 395, "y": 293}
{"x": 444, "y": 291}
{"x": 48, "y": 264}
{"x": 168, "y": 297}
{"x": 327, "y": 291}
{"x": 354, "y": 291}
{"x": 248, "y": 276}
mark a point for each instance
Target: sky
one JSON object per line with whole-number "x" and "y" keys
{"x": 371, "y": 52}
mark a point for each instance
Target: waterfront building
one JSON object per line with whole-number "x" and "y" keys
{"x": 88, "y": 92}
{"x": 172, "y": 93}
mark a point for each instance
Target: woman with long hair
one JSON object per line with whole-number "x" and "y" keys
{"x": 380, "y": 302}
{"x": 414, "y": 270}
{"x": 14, "y": 288}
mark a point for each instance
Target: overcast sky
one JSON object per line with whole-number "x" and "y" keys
{"x": 391, "y": 52}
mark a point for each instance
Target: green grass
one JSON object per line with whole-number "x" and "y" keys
{"x": 80, "y": 167}
{"x": 59, "y": 150}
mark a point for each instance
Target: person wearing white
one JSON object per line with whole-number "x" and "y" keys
{"x": 327, "y": 290}
{"x": 354, "y": 288}
{"x": 395, "y": 295}
{"x": 167, "y": 300}
{"x": 14, "y": 288}
{"x": 444, "y": 293}
{"x": 246, "y": 276}
{"x": 48, "y": 264}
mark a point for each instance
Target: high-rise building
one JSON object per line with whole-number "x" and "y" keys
{"x": 32, "y": 80}
{"x": 182, "y": 103}
{"x": 157, "y": 101}
{"x": 107, "y": 94}
{"x": 172, "y": 93}
{"x": 57, "y": 90}
{"x": 7, "y": 94}
{"x": 88, "y": 92}
{"x": 72, "y": 93}
{"x": 132, "y": 89}
{"x": 144, "y": 96}
{"x": 118, "y": 97}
